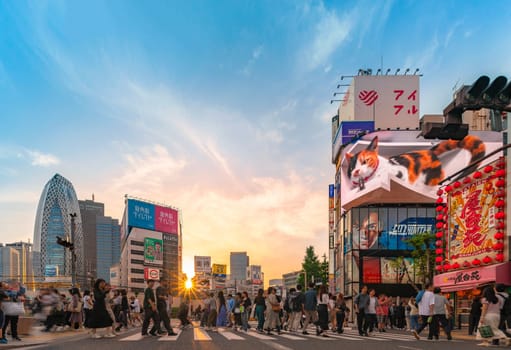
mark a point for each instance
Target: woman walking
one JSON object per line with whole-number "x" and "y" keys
{"x": 340, "y": 312}
{"x": 260, "y": 307}
{"x": 76, "y": 309}
{"x": 100, "y": 317}
{"x": 414, "y": 314}
{"x": 272, "y": 319}
{"x": 323, "y": 301}
{"x": 490, "y": 316}
{"x": 87, "y": 308}
{"x": 245, "y": 311}
{"x": 221, "y": 319}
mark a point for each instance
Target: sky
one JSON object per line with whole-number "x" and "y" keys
{"x": 219, "y": 108}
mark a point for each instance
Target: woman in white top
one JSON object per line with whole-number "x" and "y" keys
{"x": 323, "y": 302}
{"x": 135, "y": 311}
{"x": 490, "y": 316}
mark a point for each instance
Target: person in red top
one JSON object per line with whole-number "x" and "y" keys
{"x": 382, "y": 312}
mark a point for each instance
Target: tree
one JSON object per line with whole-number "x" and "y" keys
{"x": 423, "y": 257}
{"x": 312, "y": 268}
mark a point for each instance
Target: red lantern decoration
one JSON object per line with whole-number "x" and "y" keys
{"x": 439, "y": 200}
{"x": 439, "y": 217}
{"x": 467, "y": 180}
{"x": 500, "y": 215}
{"x": 439, "y": 225}
{"x": 439, "y": 234}
{"x": 477, "y": 175}
{"x": 487, "y": 260}
{"x": 439, "y": 251}
{"x": 501, "y": 164}
{"x": 500, "y": 183}
{"x": 439, "y": 259}
{"x": 499, "y": 257}
{"x": 438, "y": 267}
{"x": 501, "y": 194}
{"x": 440, "y": 192}
{"x": 455, "y": 265}
{"x": 500, "y": 173}
{"x": 500, "y": 225}
{"x": 439, "y": 208}
{"x": 457, "y": 184}
{"x": 476, "y": 262}
{"x": 439, "y": 243}
{"x": 499, "y": 235}
{"x": 447, "y": 266}
{"x": 500, "y": 203}
{"x": 466, "y": 264}
{"x": 448, "y": 188}
{"x": 488, "y": 169}
{"x": 498, "y": 246}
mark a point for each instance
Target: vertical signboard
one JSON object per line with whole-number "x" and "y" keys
{"x": 331, "y": 223}
{"x": 202, "y": 264}
{"x": 153, "y": 251}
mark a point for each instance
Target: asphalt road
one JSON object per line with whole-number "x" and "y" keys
{"x": 199, "y": 339}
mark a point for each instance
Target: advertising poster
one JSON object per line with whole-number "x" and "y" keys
{"x": 153, "y": 251}
{"x": 472, "y": 218}
{"x": 151, "y": 274}
{"x": 396, "y": 167}
{"x": 254, "y": 274}
{"x": 140, "y": 214}
{"x": 219, "y": 270}
{"x": 348, "y": 132}
{"x": 202, "y": 264}
{"x": 166, "y": 219}
{"x": 385, "y": 270}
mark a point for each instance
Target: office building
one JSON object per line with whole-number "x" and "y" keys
{"x": 25, "y": 260}
{"x": 9, "y": 264}
{"x": 239, "y": 262}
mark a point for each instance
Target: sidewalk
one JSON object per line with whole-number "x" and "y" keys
{"x": 37, "y": 337}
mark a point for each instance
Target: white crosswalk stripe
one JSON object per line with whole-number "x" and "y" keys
{"x": 138, "y": 337}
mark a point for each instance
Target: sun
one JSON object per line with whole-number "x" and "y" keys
{"x": 188, "y": 284}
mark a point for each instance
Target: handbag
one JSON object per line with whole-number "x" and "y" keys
{"x": 275, "y": 307}
{"x": 78, "y": 307}
{"x": 13, "y": 308}
{"x": 485, "y": 331}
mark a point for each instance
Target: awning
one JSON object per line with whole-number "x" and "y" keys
{"x": 473, "y": 277}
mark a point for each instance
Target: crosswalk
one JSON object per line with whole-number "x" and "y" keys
{"x": 201, "y": 335}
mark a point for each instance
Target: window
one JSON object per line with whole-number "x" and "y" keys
{"x": 136, "y": 261}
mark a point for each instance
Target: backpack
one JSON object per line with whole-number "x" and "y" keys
{"x": 506, "y": 308}
{"x": 287, "y": 304}
{"x": 296, "y": 302}
{"x": 419, "y": 296}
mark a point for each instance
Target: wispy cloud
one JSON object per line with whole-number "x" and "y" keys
{"x": 38, "y": 158}
{"x": 256, "y": 53}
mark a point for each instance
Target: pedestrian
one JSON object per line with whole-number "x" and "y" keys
{"x": 230, "y": 310}
{"x": 237, "y": 310}
{"x": 340, "y": 312}
{"x": 426, "y": 301}
{"x": 382, "y": 312}
{"x": 87, "y": 307}
{"x": 475, "y": 314}
{"x": 505, "y": 311}
{"x": 76, "y": 316}
{"x": 414, "y": 314}
{"x": 260, "y": 307}
{"x": 100, "y": 317}
{"x": 370, "y": 316}
{"x": 323, "y": 312}
{"x": 245, "y": 306}
{"x": 439, "y": 315}
{"x": 360, "y": 305}
{"x": 490, "y": 316}
{"x": 221, "y": 318}
{"x": 206, "y": 309}
{"x": 109, "y": 302}
{"x": 15, "y": 296}
{"x": 124, "y": 311}
{"x": 3, "y": 296}
{"x": 332, "y": 311}
{"x": 272, "y": 320}
{"x": 162, "y": 298}
{"x": 150, "y": 311}
{"x": 310, "y": 308}
{"x": 213, "y": 312}
{"x": 135, "y": 311}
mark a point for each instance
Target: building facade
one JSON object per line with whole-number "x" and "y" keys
{"x": 53, "y": 218}
{"x": 10, "y": 264}
{"x": 25, "y": 256}
{"x": 239, "y": 262}
{"x": 290, "y": 280}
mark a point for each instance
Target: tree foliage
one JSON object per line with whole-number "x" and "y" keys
{"x": 313, "y": 270}
{"x": 423, "y": 255}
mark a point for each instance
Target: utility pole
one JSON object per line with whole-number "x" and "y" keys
{"x": 73, "y": 255}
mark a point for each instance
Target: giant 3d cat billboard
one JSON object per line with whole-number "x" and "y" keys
{"x": 397, "y": 167}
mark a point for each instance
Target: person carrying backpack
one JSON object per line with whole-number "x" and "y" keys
{"x": 505, "y": 312}
{"x": 296, "y": 307}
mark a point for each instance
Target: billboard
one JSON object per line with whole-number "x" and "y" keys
{"x": 396, "y": 167}
{"x": 153, "y": 251}
{"x": 475, "y": 216}
{"x": 202, "y": 264}
{"x": 165, "y": 219}
{"x": 254, "y": 274}
{"x": 388, "y": 270}
{"x": 219, "y": 270}
{"x": 51, "y": 270}
{"x": 349, "y": 131}
{"x": 151, "y": 274}
{"x": 152, "y": 217}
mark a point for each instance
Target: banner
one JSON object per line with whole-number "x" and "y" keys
{"x": 219, "y": 270}
{"x": 153, "y": 251}
{"x": 166, "y": 219}
{"x": 386, "y": 270}
{"x": 140, "y": 214}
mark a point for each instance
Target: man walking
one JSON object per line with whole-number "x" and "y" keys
{"x": 309, "y": 308}
{"x": 150, "y": 310}
{"x": 426, "y": 301}
{"x": 360, "y": 304}
{"x": 439, "y": 315}
{"x": 162, "y": 295}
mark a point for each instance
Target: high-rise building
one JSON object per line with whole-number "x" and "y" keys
{"x": 150, "y": 245}
{"x": 57, "y": 204}
{"x": 9, "y": 264}
{"x": 239, "y": 264}
{"x": 102, "y": 239}
{"x": 25, "y": 256}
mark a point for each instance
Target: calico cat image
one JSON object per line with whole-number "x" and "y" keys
{"x": 421, "y": 167}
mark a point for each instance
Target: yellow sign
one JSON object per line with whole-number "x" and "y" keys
{"x": 219, "y": 269}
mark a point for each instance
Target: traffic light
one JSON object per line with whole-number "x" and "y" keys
{"x": 65, "y": 243}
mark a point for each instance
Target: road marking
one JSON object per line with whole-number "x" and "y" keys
{"x": 277, "y": 346}
{"x": 259, "y": 336}
{"x": 200, "y": 335}
{"x": 292, "y": 337}
{"x": 346, "y": 337}
{"x": 170, "y": 337}
{"x": 231, "y": 336}
{"x": 409, "y": 347}
{"x": 134, "y": 337}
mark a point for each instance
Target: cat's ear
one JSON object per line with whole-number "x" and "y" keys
{"x": 373, "y": 146}
{"x": 349, "y": 156}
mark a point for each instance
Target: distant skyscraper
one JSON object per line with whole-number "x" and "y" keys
{"x": 102, "y": 239}
{"x": 25, "y": 256}
{"x": 53, "y": 218}
{"x": 239, "y": 264}
{"x": 9, "y": 264}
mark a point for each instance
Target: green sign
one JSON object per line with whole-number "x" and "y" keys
{"x": 153, "y": 251}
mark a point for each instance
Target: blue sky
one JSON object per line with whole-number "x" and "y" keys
{"x": 220, "y": 108}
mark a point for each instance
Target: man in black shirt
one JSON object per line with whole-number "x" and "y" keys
{"x": 162, "y": 295}
{"x": 150, "y": 310}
